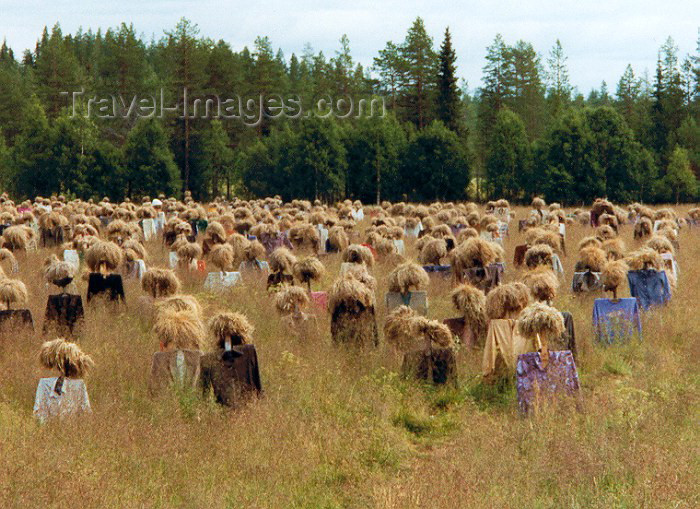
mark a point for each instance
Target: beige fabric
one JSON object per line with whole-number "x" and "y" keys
{"x": 180, "y": 367}
{"x": 503, "y": 345}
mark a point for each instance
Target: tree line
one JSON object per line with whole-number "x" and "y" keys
{"x": 525, "y": 131}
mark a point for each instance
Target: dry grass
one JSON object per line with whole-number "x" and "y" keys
{"x": 338, "y": 429}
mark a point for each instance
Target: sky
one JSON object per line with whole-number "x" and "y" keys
{"x": 599, "y": 37}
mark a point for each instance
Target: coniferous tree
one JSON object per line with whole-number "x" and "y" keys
{"x": 448, "y": 94}
{"x": 418, "y": 83}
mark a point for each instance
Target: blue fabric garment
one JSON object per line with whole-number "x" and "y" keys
{"x": 650, "y": 287}
{"x": 615, "y": 321}
{"x": 437, "y": 268}
{"x": 537, "y": 383}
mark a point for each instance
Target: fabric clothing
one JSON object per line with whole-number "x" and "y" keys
{"x": 52, "y": 237}
{"x": 437, "y": 365}
{"x": 535, "y": 381}
{"x": 440, "y": 270}
{"x": 413, "y": 232}
{"x": 503, "y": 345}
{"x": 323, "y": 234}
{"x": 485, "y": 278}
{"x": 109, "y": 286}
{"x": 669, "y": 264}
{"x": 320, "y": 300}
{"x": 400, "y": 246}
{"x": 175, "y": 367}
{"x": 135, "y": 269}
{"x": 418, "y": 301}
{"x": 63, "y": 312}
{"x": 459, "y": 327}
{"x": 650, "y": 287}
{"x": 568, "y": 339}
{"x": 519, "y": 256}
{"x": 149, "y": 229}
{"x": 221, "y": 280}
{"x": 616, "y": 320}
{"x": 60, "y": 397}
{"x": 278, "y": 279}
{"x": 233, "y": 375}
{"x": 71, "y": 256}
{"x": 586, "y": 282}
{"x": 356, "y": 327}
{"x": 254, "y": 266}
{"x": 557, "y": 267}
{"x": 13, "y": 319}
{"x": 272, "y": 242}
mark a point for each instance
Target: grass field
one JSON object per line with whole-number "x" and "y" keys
{"x": 341, "y": 429}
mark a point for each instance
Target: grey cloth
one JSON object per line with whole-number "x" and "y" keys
{"x": 417, "y": 301}
{"x": 60, "y": 397}
{"x": 176, "y": 367}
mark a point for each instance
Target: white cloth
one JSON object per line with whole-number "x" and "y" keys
{"x": 217, "y": 281}
{"x": 557, "y": 267}
{"x": 71, "y": 256}
{"x": 415, "y": 231}
{"x": 670, "y": 264}
{"x": 323, "y": 233}
{"x": 149, "y": 229}
{"x": 73, "y": 398}
{"x": 137, "y": 269}
{"x": 400, "y": 247}
{"x": 358, "y": 215}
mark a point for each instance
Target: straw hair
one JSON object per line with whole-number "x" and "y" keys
{"x": 398, "y": 328}
{"x": 660, "y": 244}
{"x": 614, "y": 249}
{"x": 254, "y": 251}
{"x": 222, "y": 256}
{"x": 137, "y": 247}
{"x": 385, "y": 247}
{"x": 592, "y": 258}
{"x": 66, "y": 357}
{"x": 291, "y": 299}
{"x": 433, "y": 251}
{"x": 361, "y": 273}
{"x": 308, "y": 269}
{"x": 356, "y": 253}
{"x": 57, "y": 271}
{"x": 189, "y": 251}
{"x": 160, "y": 283}
{"x": 13, "y": 292}
{"x": 338, "y": 239}
{"x": 282, "y": 260}
{"x": 305, "y": 235}
{"x": 507, "y": 301}
{"x": 16, "y": 238}
{"x": 350, "y": 293}
{"x": 437, "y": 333}
{"x": 228, "y": 325}
{"x": 473, "y": 252}
{"x": 643, "y": 228}
{"x": 215, "y": 232}
{"x": 7, "y": 256}
{"x": 644, "y": 258}
{"x": 541, "y": 319}
{"x": 103, "y": 253}
{"x": 471, "y": 302}
{"x": 408, "y": 277}
{"x": 539, "y": 255}
{"x": 179, "y": 330}
{"x": 542, "y": 283}
{"x": 605, "y": 232}
{"x": 614, "y": 274}
{"x": 180, "y": 303}
{"x": 588, "y": 242}
{"x": 549, "y": 238}
{"x": 239, "y": 244}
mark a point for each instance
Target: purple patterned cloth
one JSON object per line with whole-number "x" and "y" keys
{"x": 533, "y": 381}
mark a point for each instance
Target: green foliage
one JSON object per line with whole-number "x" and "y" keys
{"x": 679, "y": 182}
{"x": 508, "y": 158}
{"x": 149, "y": 164}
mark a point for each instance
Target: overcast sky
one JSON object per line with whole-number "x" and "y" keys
{"x": 600, "y": 37}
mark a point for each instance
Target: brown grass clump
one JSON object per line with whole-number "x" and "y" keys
{"x": 189, "y": 252}
{"x": 471, "y": 303}
{"x": 589, "y": 242}
{"x": 542, "y": 283}
{"x": 254, "y": 251}
{"x": 58, "y": 272}
{"x": 351, "y": 293}
{"x": 605, "y": 232}
{"x": 160, "y": 283}
{"x": 507, "y": 301}
{"x": 541, "y": 319}
{"x": 361, "y": 273}
{"x": 179, "y": 330}
{"x": 408, "y": 277}
{"x": 473, "y": 252}
{"x": 65, "y": 357}
{"x": 615, "y": 249}
{"x": 103, "y": 254}
{"x": 15, "y": 238}
{"x": 338, "y": 239}
{"x": 233, "y": 326}
{"x": 643, "y": 228}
